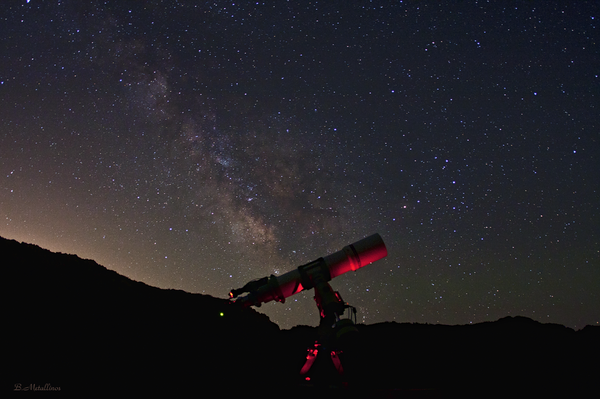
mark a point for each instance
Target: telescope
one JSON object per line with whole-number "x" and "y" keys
{"x": 334, "y": 332}
{"x": 277, "y": 288}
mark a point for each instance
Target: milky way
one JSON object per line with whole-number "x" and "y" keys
{"x": 199, "y": 146}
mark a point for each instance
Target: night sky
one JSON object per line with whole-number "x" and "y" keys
{"x": 199, "y": 145}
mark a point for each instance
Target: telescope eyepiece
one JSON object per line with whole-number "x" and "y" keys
{"x": 250, "y": 287}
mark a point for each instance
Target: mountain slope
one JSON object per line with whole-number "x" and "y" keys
{"x": 75, "y": 324}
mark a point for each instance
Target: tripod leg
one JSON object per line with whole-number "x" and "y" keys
{"x": 336, "y": 362}
{"x": 310, "y": 359}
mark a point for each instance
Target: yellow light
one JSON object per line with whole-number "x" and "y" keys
{"x": 221, "y": 314}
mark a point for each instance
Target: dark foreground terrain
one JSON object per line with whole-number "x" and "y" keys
{"x": 78, "y": 328}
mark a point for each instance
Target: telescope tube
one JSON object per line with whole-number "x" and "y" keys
{"x": 351, "y": 257}
{"x": 357, "y": 255}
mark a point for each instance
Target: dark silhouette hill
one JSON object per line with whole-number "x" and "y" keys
{"x": 77, "y": 326}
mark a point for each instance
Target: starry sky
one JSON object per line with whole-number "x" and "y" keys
{"x": 198, "y": 145}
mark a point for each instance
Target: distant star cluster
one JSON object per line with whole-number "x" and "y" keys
{"x": 200, "y": 145}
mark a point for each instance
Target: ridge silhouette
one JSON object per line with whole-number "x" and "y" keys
{"x": 84, "y": 328}
{"x": 78, "y": 326}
